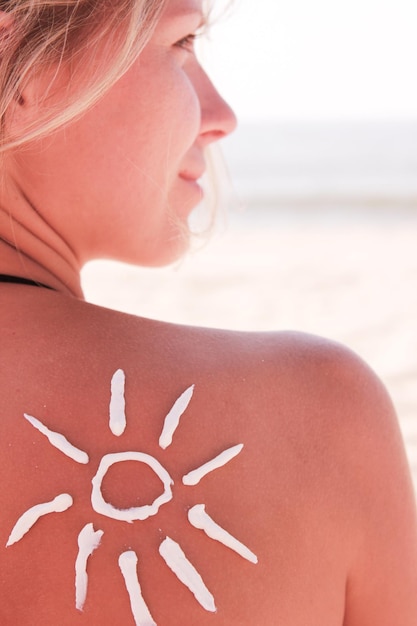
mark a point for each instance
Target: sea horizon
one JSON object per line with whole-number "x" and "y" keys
{"x": 311, "y": 163}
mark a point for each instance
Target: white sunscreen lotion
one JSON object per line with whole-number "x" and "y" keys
{"x": 128, "y": 565}
{"x": 88, "y": 541}
{"x": 58, "y": 505}
{"x": 198, "y": 518}
{"x": 176, "y": 560}
{"x": 194, "y": 477}
{"x": 172, "y": 420}
{"x": 117, "y": 404}
{"x": 100, "y": 505}
{"x": 59, "y": 441}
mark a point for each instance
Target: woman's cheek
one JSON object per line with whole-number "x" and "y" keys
{"x": 184, "y": 105}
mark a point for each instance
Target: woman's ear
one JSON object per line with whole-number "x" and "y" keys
{"x": 22, "y": 107}
{"x": 6, "y": 32}
{"x": 6, "y": 23}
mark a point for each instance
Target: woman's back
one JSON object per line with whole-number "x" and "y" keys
{"x": 319, "y": 493}
{"x": 106, "y": 115}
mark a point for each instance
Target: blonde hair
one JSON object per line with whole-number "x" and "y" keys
{"x": 48, "y": 34}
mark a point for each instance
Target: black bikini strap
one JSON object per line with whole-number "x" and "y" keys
{"x": 7, "y": 278}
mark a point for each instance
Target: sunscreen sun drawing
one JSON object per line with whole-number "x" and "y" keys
{"x": 170, "y": 551}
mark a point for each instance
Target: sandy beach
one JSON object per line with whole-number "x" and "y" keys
{"x": 348, "y": 273}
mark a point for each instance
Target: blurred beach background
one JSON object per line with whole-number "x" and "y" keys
{"x": 320, "y": 233}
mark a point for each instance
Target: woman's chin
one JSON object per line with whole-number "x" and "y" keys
{"x": 160, "y": 254}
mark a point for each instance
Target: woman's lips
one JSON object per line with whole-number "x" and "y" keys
{"x": 193, "y": 174}
{"x": 191, "y": 179}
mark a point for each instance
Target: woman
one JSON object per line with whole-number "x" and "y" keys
{"x": 305, "y": 513}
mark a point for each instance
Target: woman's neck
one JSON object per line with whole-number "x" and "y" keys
{"x": 29, "y": 247}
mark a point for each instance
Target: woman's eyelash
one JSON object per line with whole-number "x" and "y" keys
{"x": 187, "y": 43}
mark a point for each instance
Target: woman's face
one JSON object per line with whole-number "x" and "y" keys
{"x": 122, "y": 180}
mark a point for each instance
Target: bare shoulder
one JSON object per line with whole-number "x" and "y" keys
{"x": 359, "y": 444}
{"x": 312, "y": 479}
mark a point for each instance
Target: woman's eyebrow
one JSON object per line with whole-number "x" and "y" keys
{"x": 189, "y": 13}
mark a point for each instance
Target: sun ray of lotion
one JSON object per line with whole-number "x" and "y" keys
{"x": 58, "y": 505}
{"x": 59, "y": 441}
{"x": 194, "y": 477}
{"x": 176, "y": 560}
{"x": 128, "y": 565}
{"x": 173, "y": 418}
{"x": 88, "y": 541}
{"x": 198, "y": 518}
{"x": 117, "y": 404}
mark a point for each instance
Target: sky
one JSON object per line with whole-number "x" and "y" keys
{"x": 317, "y": 59}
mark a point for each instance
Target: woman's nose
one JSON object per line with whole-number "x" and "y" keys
{"x": 217, "y": 117}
